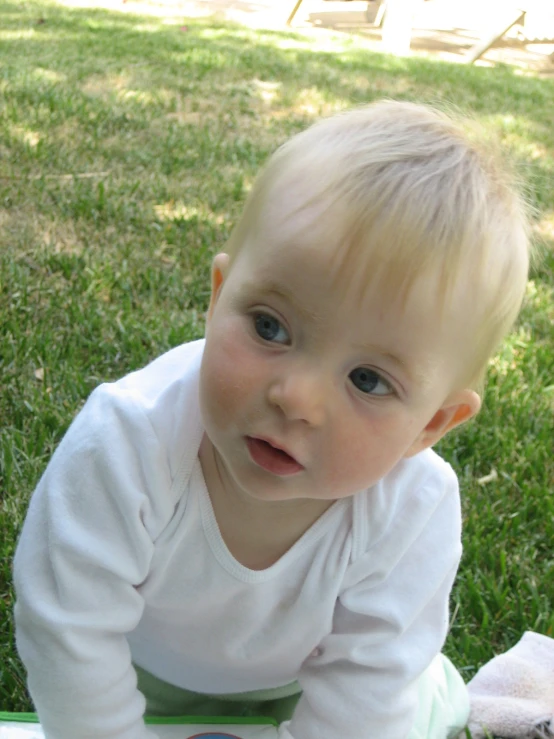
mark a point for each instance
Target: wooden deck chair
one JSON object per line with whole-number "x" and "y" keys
{"x": 376, "y": 19}
{"x": 517, "y": 16}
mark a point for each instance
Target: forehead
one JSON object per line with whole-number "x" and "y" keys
{"x": 294, "y": 213}
{"x": 313, "y": 250}
{"x": 317, "y": 239}
{"x": 309, "y": 276}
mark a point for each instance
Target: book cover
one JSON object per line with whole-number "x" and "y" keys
{"x": 26, "y": 726}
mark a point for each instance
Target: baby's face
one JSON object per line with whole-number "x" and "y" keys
{"x": 309, "y": 390}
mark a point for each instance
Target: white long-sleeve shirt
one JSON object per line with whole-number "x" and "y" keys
{"x": 121, "y": 560}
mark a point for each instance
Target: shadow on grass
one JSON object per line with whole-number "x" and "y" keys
{"x": 66, "y": 62}
{"x": 53, "y": 36}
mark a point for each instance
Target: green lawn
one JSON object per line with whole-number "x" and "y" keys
{"x": 127, "y": 146}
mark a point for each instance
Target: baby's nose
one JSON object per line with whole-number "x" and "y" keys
{"x": 302, "y": 395}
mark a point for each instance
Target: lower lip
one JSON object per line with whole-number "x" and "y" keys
{"x": 271, "y": 459}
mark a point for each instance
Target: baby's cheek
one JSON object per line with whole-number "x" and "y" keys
{"x": 225, "y": 382}
{"x": 358, "y": 458}
{"x": 217, "y": 399}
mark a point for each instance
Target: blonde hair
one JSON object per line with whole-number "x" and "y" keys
{"x": 419, "y": 191}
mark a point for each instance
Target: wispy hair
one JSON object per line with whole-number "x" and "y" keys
{"x": 418, "y": 190}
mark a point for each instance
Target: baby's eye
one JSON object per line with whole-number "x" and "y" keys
{"x": 269, "y": 328}
{"x": 370, "y": 382}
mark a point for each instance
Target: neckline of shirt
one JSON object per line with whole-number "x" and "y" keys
{"x": 224, "y": 556}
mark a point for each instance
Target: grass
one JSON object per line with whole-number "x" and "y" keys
{"x": 127, "y": 146}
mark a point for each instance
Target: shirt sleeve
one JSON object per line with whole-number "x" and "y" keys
{"x": 390, "y": 621}
{"x": 85, "y": 546}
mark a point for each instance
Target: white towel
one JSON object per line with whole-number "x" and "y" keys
{"x": 512, "y": 696}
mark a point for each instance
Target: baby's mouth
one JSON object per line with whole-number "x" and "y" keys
{"x": 272, "y": 458}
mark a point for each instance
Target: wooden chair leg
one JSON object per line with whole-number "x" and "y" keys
{"x": 294, "y": 11}
{"x": 480, "y": 48}
{"x": 380, "y": 14}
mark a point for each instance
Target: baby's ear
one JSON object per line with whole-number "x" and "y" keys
{"x": 220, "y": 267}
{"x": 458, "y": 408}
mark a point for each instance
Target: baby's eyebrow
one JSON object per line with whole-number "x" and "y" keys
{"x": 419, "y": 373}
{"x": 276, "y": 289}
{"x": 389, "y": 356}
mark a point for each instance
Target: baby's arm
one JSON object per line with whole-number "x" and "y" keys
{"x": 390, "y": 622}
{"x": 85, "y": 547}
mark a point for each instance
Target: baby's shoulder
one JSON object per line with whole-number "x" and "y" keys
{"x": 135, "y": 439}
{"x": 151, "y": 409}
{"x": 165, "y": 391}
{"x": 170, "y": 376}
{"x": 426, "y": 471}
{"x": 416, "y": 497}
{"x": 419, "y": 480}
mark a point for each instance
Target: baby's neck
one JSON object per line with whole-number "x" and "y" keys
{"x": 256, "y": 532}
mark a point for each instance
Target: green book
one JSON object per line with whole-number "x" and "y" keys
{"x": 26, "y": 726}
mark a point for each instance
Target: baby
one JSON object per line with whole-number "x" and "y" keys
{"x": 255, "y": 523}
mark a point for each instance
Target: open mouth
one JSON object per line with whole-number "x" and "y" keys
{"x": 271, "y": 458}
